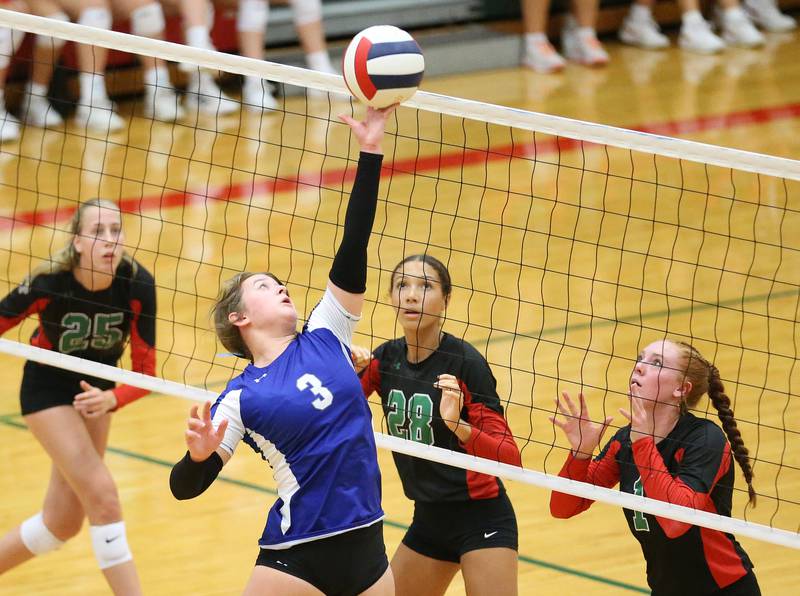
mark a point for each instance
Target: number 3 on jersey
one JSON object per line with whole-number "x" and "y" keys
{"x": 325, "y": 397}
{"x": 410, "y": 419}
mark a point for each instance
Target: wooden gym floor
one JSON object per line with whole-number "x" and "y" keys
{"x": 744, "y": 99}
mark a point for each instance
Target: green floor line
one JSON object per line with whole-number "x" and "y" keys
{"x": 13, "y": 421}
{"x": 563, "y": 329}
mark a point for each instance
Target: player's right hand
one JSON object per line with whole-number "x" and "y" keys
{"x": 201, "y": 437}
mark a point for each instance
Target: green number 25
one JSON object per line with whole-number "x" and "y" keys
{"x": 81, "y": 333}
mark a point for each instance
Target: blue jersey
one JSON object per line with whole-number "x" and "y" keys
{"x": 306, "y": 415}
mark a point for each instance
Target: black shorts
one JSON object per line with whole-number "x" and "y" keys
{"x": 447, "y": 530}
{"x": 746, "y": 586}
{"x": 341, "y": 565}
{"x": 47, "y": 387}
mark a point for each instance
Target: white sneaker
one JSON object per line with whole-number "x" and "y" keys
{"x": 643, "y": 33}
{"x": 9, "y": 127}
{"x": 256, "y": 95}
{"x": 580, "y": 44}
{"x": 37, "y": 111}
{"x": 205, "y": 95}
{"x": 99, "y": 117}
{"x": 766, "y": 15}
{"x": 737, "y": 29}
{"x": 542, "y": 57}
{"x": 698, "y": 37}
{"x": 162, "y": 103}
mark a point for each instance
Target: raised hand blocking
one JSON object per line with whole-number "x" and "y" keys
{"x": 583, "y": 434}
{"x": 201, "y": 438}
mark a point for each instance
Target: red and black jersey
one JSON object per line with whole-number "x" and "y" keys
{"x": 411, "y": 409}
{"x": 91, "y": 325}
{"x": 692, "y": 467}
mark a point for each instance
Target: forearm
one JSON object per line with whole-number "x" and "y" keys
{"x": 189, "y": 478}
{"x": 658, "y": 482}
{"x": 563, "y": 505}
{"x": 349, "y": 269}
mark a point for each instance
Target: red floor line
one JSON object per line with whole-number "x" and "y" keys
{"x": 450, "y": 159}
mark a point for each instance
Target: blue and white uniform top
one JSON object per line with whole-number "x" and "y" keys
{"x": 306, "y": 415}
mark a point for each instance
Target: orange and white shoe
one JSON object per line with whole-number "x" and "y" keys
{"x": 580, "y": 44}
{"x": 542, "y": 57}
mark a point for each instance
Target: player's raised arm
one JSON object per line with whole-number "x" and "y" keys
{"x": 348, "y": 275}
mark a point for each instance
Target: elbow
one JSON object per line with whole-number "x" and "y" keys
{"x": 560, "y": 510}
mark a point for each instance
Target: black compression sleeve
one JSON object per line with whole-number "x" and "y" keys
{"x": 191, "y": 478}
{"x": 349, "y": 269}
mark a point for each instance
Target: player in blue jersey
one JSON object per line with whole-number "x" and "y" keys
{"x": 299, "y": 405}
{"x": 669, "y": 454}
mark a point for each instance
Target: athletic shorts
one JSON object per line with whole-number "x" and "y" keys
{"x": 445, "y": 531}
{"x": 745, "y": 586}
{"x": 342, "y": 565}
{"x": 47, "y": 387}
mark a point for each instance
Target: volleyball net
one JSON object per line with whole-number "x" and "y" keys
{"x": 571, "y": 245}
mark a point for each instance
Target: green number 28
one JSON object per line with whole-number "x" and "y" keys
{"x": 411, "y": 418}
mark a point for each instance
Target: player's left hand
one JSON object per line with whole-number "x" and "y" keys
{"x": 639, "y": 417}
{"x": 361, "y": 357}
{"x": 369, "y": 131}
{"x": 451, "y": 404}
{"x": 94, "y": 402}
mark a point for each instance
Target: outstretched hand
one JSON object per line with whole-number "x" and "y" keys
{"x": 201, "y": 438}
{"x": 583, "y": 434}
{"x": 369, "y": 131}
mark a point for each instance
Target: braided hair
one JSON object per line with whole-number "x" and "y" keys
{"x": 705, "y": 378}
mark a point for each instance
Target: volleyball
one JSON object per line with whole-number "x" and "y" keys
{"x": 383, "y": 65}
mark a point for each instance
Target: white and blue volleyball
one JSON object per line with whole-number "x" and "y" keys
{"x": 383, "y": 65}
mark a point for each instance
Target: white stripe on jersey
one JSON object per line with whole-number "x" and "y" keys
{"x": 282, "y": 473}
{"x": 229, "y": 409}
{"x": 332, "y": 315}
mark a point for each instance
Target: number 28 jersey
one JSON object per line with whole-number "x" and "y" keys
{"x": 305, "y": 414}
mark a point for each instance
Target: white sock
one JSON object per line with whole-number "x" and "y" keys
{"x": 198, "y": 37}
{"x": 37, "y": 89}
{"x": 93, "y": 88}
{"x": 319, "y": 61}
{"x": 640, "y": 12}
{"x": 158, "y": 76}
{"x": 692, "y": 17}
{"x": 534, "y": 39}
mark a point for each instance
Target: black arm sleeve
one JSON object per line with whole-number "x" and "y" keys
{"x": 349, "y": 270}
{"x": 189, "y": 478}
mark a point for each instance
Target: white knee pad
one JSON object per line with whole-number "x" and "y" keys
{"x": 36, "y": 537}
{"x": 148, "y": 20}
{"x": 253, "y": 15}
{"x": 110, "y": 544}
{"x": 97, "y": 17}
{"x": 306, "y": 11}
{"x": 53, "y": 42}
